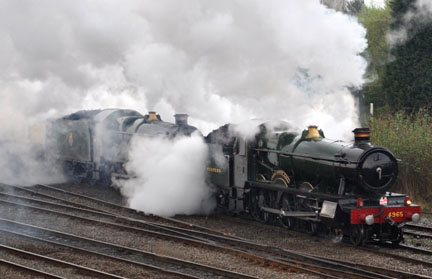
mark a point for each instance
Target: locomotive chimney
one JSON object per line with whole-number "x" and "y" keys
{"x": 181, "y": 119}
{"x": 361, "y": 135}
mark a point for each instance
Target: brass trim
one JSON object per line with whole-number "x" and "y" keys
{"x": 282, "y": 176}
{"x": 152, "y": 116}
{"x": 260, "y": 177}
{"x": 362, "y": 135}
{"x": 313, "y": 132}
{"x": 306, "y": 185}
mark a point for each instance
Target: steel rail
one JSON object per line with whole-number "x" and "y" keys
{"x": 30, "y": 270}
{"x": 416, "y": 250}
{"x": 382, "y": 252}
{"x": 58, "y": 263}
{"x": 381, "y": 270}
{"x": 322, "y": 266}
{"x": 187, "y": 232}
{"x": 415, "y": 227}
{"x": 295, "y": 265}
{"x": 417, "y": 235}
{"x": 127, "y": 209}
{"x": 93, "y": 253}
{"x": 137, "y": 214}
{"x": 33, "y": 193}
{"x": 116, "y": 220}
{"x": 80, "y": 242}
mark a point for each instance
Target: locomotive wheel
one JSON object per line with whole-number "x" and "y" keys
{"x": 253, "y": 205}
{"x": 259, "y": 199}
{"x": 287, "y": 204}
{"x": 263, "y": 201}
{"x": 358, "y": 235}
{"x": 313, "y": 228}
{"x": 337, "y": 235}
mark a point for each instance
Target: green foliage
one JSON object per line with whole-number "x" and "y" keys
{"x": 407, "y": 83}
{"x": 354, "y": 7}
{"x": 376, "y": 20}
{"x": 409, "y": 137}
{"x": 399, "y": 8}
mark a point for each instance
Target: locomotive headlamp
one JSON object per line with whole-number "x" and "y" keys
{"x": 369, "y": 219}
{"x": 408, "y": 201}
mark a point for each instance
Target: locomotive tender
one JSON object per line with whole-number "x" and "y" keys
{"x": 93, "y": 145}
{"x": 309, "y": 182}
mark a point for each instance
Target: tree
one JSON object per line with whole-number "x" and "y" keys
{"x": 354, "y": 7}
{"x": 407, "y": 83}
{"x": 407, "y": 80}
{"x": 377, "y": 21}
{"x": 401, "y": 74}
{"x": 351, "y": 7}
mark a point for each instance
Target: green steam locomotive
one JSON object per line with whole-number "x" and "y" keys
{"x": 308, "y": 182}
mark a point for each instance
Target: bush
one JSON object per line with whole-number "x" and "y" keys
{"x": 409, "y": 137}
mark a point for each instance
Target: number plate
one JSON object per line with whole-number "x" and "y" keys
{"x": 396, "y": 214}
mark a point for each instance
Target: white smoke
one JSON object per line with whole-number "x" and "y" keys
{"x": 169, "y": 176}
{"x": 219, "y": 61}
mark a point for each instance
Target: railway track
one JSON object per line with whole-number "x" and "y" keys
{"x": 209, "y": 241}
{"x": 100, "y": 205}
{"x": 90, "y": 245}
{"x": 293, "y": 261}
{"x": 418, "y": 231}
{"x": 416, "y": 250}
{"x": 398, "y": 254}
{"x": 91, "y": 258}
{"x": 34, "y": 273}
{"x": 65, "y": 267}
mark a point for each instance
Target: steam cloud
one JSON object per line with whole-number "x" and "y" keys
{"x": 169, "y": 176}
{"x": 219, "y": 61}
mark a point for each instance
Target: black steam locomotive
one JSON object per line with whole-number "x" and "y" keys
{"x": 93, "y": 145}
{"x": 308, "y": 182}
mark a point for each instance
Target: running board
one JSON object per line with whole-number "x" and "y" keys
{"x": 289, "y": 213}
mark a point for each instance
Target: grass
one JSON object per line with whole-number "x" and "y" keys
{"x": 409, "y": 137}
